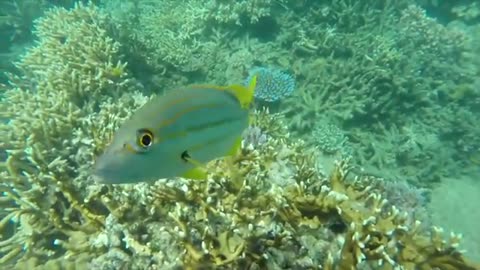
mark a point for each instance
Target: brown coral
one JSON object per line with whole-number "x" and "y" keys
{"x": 50, "y": 137}
{"x": 268, "y": 207}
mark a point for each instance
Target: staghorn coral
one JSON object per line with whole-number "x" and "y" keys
{"x": 357, "y": 75}
{"x": 466, "y": 11}
{"x": 379, "y": 78}
{"x": 369, "y": 67}
{"x": 241, "y": 12}
{"x": 240, "y": 218}
{"x": 167, "y": 34}
{"x": 17, "y": 17}
{"x": 16, "y": 20}
{"x": 243, "y": 216}
{"x": 52, "y": 133}
{"x": 197, "y": 37}
{"x": 406, "y": 198}
{"x": 414, "y": 144}
{"x": 374, "y": 234}
{"x": 242, "y": 226}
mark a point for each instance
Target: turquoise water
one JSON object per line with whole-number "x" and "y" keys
{"x": 390, "y": 88}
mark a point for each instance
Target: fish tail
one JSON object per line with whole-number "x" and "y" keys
{"x": 244, "y": 94}
{"x": 251, "y": 90}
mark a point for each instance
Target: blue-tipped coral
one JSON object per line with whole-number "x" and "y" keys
{"x": 272, "y": 84}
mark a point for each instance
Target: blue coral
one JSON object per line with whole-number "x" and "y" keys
{"x": 272, "y": 84}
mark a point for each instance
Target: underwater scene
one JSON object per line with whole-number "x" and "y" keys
{"x": 240, "y": 134}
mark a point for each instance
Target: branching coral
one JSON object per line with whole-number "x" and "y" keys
{"x": 17, "y": 16}
{"x": 468, "y": 12}
{"x": 378, "y": 234}
{"x": 197, "y": 36}
{"x": 50, "y": 136}
{"x": 16, "y": 20}
{"x": 465, "y": 11}
{"x": 394, "y": 71}
{"x": 267, "y": 207}
{"x": 244, "y": 226}
{"x": 241, "y": 12}
{"x": 364, "y": 65}
{"x": 170, "y": 32}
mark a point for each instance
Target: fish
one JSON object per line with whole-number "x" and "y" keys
{"x": 177, "y": 134}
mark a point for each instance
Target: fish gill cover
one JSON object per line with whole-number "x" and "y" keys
{"x": 394, "y": 88}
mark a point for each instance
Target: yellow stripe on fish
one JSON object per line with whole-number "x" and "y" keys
{"x": 170, "y": 121}
{"x": 175, "y": 134}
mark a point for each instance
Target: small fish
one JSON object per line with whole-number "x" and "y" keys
{"x": 174, "y": 135}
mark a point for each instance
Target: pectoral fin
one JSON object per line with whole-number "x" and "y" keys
{"x": 196, "y": 173}
{"x": 236, "y": 147}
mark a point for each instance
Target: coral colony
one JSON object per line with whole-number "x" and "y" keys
{"x": 270, "y": 206}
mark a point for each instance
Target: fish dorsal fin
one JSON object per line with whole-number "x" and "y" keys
{"x": 244, "y": 94}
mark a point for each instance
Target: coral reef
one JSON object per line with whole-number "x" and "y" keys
{"x": 198, "y": 38}
{"x": 371, "y": 68}
{"x": 378, "y": 76}
{"x": 60, "y": 113}
{"x": 466, "y": 10}
{"x": 241, "y": 219}
{"x": 167, "y": 34}
{"x": 356, "y": 74}
{"x": 16, "y": 19}
{"x": 269, "y": 207}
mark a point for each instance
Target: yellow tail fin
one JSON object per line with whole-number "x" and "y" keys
{"x": 244, "y": 94}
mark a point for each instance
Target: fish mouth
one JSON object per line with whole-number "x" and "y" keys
{"x": 107, "y": 175}
{"x": 99, "y": 179}
{"x": 100, "y": 175}
{"x": 103, "y": 173}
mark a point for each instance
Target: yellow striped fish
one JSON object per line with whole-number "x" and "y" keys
{"x": 175, "y": 134}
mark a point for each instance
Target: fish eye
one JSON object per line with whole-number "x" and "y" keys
{"x": 144, "y": 138}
